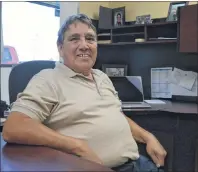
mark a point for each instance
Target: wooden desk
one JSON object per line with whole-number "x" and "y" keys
{"x": 36, "y": 158}
{"x": 170, "y": 106}
{"x": 177, "y": 120}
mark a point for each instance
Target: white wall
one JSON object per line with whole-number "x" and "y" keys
{"x": 67, "y": 9}
{"x": 5, "y": 72}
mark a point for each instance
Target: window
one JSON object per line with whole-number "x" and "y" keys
{"x": 29, "y": 32}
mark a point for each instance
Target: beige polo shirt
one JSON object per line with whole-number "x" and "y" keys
{"x": 73, "y": 105}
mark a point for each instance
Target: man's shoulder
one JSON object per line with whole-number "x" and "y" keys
{"x": 47, "y": 75}
{"x": 100, "y": 73}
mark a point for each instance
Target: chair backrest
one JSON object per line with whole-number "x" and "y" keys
{"x": 21, "y": 74}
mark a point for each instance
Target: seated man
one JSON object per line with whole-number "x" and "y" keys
{"x": 75, "y": 108}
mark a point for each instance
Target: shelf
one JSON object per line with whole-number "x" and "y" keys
{"x": 146, "y": 42}
{"x": 161, "y": 39}
{"x": 104, "y": 34}
{"x": 142, "y": 25}
{"x": 128, "y": 26}
{"x": 162, "y": 23}
{"x": 128, "y": 34}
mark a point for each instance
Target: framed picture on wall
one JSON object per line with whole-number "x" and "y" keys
{"x": 118, "y": 16}
{"x": 172, "y": 12}
{"x": 144, "y": 19}
{"x": 114, "y": 70}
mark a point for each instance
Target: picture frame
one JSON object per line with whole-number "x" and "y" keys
{"x": 115, "y": 70}
{"x": 118, "y": 16}
{"x": 144, "y": 19}
{"x": 172, "y": 11}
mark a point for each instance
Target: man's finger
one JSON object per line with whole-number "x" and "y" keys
{"x": 155, "y": 159}
{"x": 160, "y": 158}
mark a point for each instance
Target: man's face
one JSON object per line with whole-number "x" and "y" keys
{"x": 79, "y": 49}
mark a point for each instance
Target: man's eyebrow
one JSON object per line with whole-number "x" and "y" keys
{"x": 90, "y": 34}
{"x": 74, "y": 35}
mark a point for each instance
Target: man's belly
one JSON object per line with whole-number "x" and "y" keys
{"x": 107, "y": 133}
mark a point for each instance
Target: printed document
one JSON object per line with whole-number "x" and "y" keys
{"x": 184, "y": 83}
{"x": 185, "y": 79}
{"x": 166, "y": 82}
{"x": 160, "y": 85}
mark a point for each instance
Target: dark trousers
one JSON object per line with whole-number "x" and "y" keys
{"x": 143, "y": 164}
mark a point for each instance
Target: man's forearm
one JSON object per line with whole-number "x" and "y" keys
{"x": 139, "y": 134}
{"x": 23, "y": 130}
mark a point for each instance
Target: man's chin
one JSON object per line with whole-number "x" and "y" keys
{"x": 85, "y": 69}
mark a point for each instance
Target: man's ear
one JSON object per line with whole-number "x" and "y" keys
{"x": 60, "y": 50}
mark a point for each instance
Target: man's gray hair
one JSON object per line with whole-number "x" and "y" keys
{"x": 70, "y": 20}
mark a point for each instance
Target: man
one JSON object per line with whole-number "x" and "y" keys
{"x": 75, "y": 109}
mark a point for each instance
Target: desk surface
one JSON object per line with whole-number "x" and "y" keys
{"x": 35, "y": 158}
{"x": 171, "y": 106}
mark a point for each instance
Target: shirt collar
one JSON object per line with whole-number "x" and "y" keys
{"x": 67, "y": 71}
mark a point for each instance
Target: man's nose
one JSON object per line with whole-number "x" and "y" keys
{"x": 83, "y": 44}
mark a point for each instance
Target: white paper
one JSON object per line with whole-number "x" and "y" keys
{"x": 154, "y": 102}
{"x": 178, "y": 90}
{"x": 185, "y": 79}
{"x": 160, "y": 85}
{"x": 2, "y": 120}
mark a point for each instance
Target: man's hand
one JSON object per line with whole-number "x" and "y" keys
{"x": 83, "y": 150}
{"x": 154, "y": 148}
{"x": 156, "y": 151}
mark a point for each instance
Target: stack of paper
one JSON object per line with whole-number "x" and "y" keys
{"x": 183, "y": 82}
{"x": 166, "y": 82}
{"x": 154, "y": 102}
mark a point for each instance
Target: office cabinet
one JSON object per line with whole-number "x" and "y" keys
{"x": 155, "y": 123}
{"x": 188, "y": 29}
{"x": 196, "y": 156}
{"x": 176, "y": 131}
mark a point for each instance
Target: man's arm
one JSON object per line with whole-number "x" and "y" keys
{"x": 21, "y": 129}
{"x": 32, "y": 107}
{"x": 153, "y": 146}
{"x": 139, "y": 134}
{"x": 24, "y": 124}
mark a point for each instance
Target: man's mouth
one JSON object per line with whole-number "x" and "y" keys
{"x": 83, "y": 55}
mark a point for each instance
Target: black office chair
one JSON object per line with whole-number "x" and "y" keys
{"x": 22, "y": 73}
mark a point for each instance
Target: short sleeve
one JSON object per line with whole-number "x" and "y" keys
{"x": 108, "y": 81}
{"x": 38, "y": 100}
